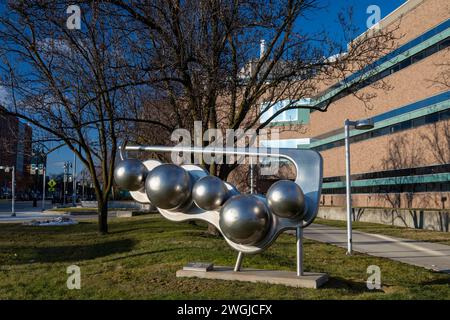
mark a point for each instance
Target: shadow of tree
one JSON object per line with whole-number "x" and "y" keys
{"x": 352, "y": 286}
{"x": 431, "y": 147}
{"x": 71, "y": 253}
{"x": 443, "y": 281}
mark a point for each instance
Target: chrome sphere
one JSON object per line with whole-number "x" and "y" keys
{"x": 130, "y": 174}
{"x": 286, "y": 199}
{"x": 210, "y": 193}
{"x": 168, "y": 186}
{"x": 245, "y": 219}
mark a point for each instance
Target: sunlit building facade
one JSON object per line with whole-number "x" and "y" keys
{"x": 404, "y": 161}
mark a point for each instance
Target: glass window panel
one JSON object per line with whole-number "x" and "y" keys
{"x": 406, "y": 125}
{"x": 444, "y": 44}
{"x": 419, "y": 122}
{"x": 432, "y": 118}
{"x": 395, "y": 68}
{"x": 396, "y": 128}
{"x": 288, "y": 115}
{"x": 417, "y": 57}
{"x": 384, "y": 73}
{"x": 431, "y": 50}
{"x": 384, "y": 131}
{"x": 267, "y": 114}
{"x": 444, "y": 115}
{"x": 405, "y": 63}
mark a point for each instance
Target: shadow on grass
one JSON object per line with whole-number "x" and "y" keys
{"x": 151, "y": 226}
{"x": 114, "y": 232}
{"x": 444, "y": 281}
{"x": 71, "y": 253}
{"x": 351, "y": 286}
{"x": 147, "y": 253}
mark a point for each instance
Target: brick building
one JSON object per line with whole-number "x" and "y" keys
{"x": 404, "y": 161}
{"x": 15, "y": 150}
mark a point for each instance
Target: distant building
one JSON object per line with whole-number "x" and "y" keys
{"x": 15, "y": 150}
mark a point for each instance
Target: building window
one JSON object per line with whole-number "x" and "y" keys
{"x": 398, "y": 127}
{"x": 432, "y": 118}
{"x": 286, "y": 116}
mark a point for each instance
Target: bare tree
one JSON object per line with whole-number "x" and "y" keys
{"x": 203, "y": 63}
{"x": 68, "y": 84}
{"x": 191, "y": 60}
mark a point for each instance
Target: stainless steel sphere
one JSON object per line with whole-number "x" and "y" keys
{"x": 245, "y": 219}
{"x": 168, "y": 186}
{"x": 286, "y": 199}
{"x": 130, "y": 174}
{"x": 210, "y": 193}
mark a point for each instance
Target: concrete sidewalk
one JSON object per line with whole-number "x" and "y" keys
{"x": 428, "y": 255}
{"x": 26, "y": 216}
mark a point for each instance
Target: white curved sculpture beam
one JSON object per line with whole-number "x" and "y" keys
{"x": 308, "y": 165}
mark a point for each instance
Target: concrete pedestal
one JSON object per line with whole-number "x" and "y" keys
{"x": 287, "y": 278}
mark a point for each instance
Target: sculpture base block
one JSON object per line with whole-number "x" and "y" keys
{"x": 308, "y": 280}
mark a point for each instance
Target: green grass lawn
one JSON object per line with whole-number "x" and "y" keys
{"x": 140, "y": 256}
{"x": 408, "y": 233}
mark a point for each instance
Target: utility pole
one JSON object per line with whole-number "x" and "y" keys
{"x": 64, "y": 182}
{"x": 43, "y": 187}
{"x": 82, "y": 189}
{"x": 13, "y": 192}
{"x": 67, "y": 166}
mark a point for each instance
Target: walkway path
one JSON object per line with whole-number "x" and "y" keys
{"x": 429, "y": 255}
{"x": 25, "y": 216}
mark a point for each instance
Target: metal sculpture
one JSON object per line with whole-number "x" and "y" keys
{"x": 210, "y": 193}
{"x": 168, "y": 187}
{"x": 130, "y": 174}
{"x": 245, "y": 219}
{"x": 286, "y": 199}
{"x": 249, "y": 223}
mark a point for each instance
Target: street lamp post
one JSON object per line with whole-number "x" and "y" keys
{"x": 13, "y": 192}
{"x": 365, "y": 124}
{"x": 74, "y": 182}
{"x": 43, "y": 188}
{"x": 65, "y": 182}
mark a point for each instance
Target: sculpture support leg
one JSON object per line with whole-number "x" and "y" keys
{"x": 237, "y": 267}
{"x": 299, "y": 235}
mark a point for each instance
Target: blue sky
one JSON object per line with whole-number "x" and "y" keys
{"x": 326, "y": 19}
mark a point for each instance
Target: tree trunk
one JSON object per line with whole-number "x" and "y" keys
{"x": 102, "y": 217}
{"x": 213, "y": 230}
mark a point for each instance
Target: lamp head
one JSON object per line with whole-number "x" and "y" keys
{"x": 364, "y": 124}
